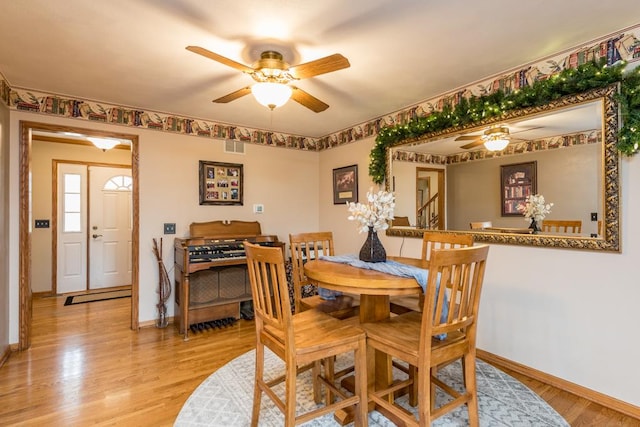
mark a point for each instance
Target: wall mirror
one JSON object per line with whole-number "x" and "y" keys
{"x": 449, "y": 180}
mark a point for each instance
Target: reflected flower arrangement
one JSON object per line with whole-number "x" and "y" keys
{"x": 535, "y": 207}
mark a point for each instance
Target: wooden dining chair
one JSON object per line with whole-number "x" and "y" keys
{"x": 480, "y": 225}
{"x": 561, "y": 226}
{"x": 308, "y": 246}
{"x": 416, "y": 338}
{"x": 430, "y": 240}
{"x": 308, "y": 337}
{"x": 400, "y": 221}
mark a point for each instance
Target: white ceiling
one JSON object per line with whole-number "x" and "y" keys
{"x": 132, "y": 52}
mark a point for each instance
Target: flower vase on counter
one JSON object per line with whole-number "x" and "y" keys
{"x": 372, "y": 250}
{"x": 534, "y": 226}
{"x": 534, "y": 209}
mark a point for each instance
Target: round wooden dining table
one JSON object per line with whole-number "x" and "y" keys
{"x": 374, "y": 288}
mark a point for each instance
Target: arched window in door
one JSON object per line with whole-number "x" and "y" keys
{"x": 119, "y": 183}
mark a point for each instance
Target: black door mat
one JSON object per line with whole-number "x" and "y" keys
{"x": 97, "y": 296}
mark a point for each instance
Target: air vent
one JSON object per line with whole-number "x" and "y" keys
{"x": 232, "y": 146}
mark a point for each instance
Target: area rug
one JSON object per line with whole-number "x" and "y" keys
{"x": 97, "y": 296}
{"x": 225, "y": 399}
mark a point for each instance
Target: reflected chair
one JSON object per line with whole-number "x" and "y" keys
{"x": 400, "y": 221}
{"x": 308, "y": 246}
{"x": 415, "y": 338}
{"x": 561, "y": 226}
{"x": 301, "y": 339}
{"x": 480, "y": 225}
{"x": 430, "y": 240}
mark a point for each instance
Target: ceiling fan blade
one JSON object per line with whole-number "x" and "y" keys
{"x": 527, "y": 129}
{"x": 474, "y": 144}
{"x": 324, "y": 65}
{"x": 219, "y": 58}
{"x": 309, "y": 101}
{"x": 467, "y": 138}
{"x": 233, "y": 95}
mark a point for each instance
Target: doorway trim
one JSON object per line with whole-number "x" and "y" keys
{"x": 25, "y": 293}
{"x": 441, "y": 195}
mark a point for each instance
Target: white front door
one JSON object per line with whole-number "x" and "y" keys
{"x": 72, "y": 226}
{"x": 110, "y": 227}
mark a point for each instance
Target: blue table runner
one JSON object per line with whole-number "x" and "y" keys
{"x": 389, "y": 267}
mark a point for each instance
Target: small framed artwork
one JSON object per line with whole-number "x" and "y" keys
{"x": 220, "y": 183}
{"x": 517, "y": 182}
{"x": 345, "y": 185}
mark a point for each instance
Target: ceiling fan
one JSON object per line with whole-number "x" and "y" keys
{"x": 495, "y": 138}
{"x": 272, "y": 73}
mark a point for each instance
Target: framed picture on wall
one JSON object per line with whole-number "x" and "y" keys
{"x": 220, "y": 183}
{"x": 345, "y": 185}
{"x": 517, "y": 181}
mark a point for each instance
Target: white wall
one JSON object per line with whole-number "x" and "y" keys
{"x": 284, "y": 181}
{"x": 334, "y": 217}
{"x": 569, "y": 313}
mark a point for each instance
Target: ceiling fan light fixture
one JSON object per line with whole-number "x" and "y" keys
{"x": 496, "y": 138}
{"x": 103, "y": 143}
{"x": 271, "y": 95}
{"x": 497, "y": 143}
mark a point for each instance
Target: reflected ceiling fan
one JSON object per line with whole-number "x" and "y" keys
{"x": 273, "y": 76}
{"x": 495, "y": 138}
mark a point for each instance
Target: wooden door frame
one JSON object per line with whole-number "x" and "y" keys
{"x": 25, "y": 294}
{"x": 441, "y": 192}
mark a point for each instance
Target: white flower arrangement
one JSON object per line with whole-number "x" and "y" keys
{"x": 375, "y": 213}
{"x": 535, "y": 207}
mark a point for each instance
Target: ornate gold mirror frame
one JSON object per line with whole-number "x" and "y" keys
{"x": 610, "y": 239}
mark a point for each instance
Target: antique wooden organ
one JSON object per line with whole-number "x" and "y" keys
{"x": 211, "y": 279}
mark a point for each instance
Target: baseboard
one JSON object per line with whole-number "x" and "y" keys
{"x": 5, "y": 355}
{"x": 43, "y": 294}
{"x": 584, "y": 392}
{"x": 150, "y": 323}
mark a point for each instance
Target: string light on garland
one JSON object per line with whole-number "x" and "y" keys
{"x": 591, "y": 75}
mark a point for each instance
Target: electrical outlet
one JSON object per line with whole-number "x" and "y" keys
{"x": 169, "y": 228}
{"x": 594, "y": 216}
{"x": 41, "y": 223}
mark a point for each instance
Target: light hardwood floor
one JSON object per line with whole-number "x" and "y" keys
{"x": 86, "y": 367}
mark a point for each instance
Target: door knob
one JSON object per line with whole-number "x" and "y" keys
{"x": 95, "y": 236}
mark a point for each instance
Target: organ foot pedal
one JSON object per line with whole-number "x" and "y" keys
{"x": 213, "y": 324}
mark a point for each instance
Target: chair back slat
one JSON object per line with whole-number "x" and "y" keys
{"x": 304, "y": 247}
{"x": 480, "y": 225}
{"x": 269, "y": 287}
{"x": 562, "y": 226}
{"x": 462, "y": 270}
{"x": 434, "y": 240}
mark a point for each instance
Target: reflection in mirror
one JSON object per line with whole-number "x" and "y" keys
{"x": 448, "y": 181}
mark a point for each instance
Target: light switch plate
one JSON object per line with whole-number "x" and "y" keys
{"x": 169, "y": 228}
{"x": 258, "y": 208}
{"x": 41, "y": 223}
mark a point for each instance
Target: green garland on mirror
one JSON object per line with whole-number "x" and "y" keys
{"x": 570, "y": 81}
